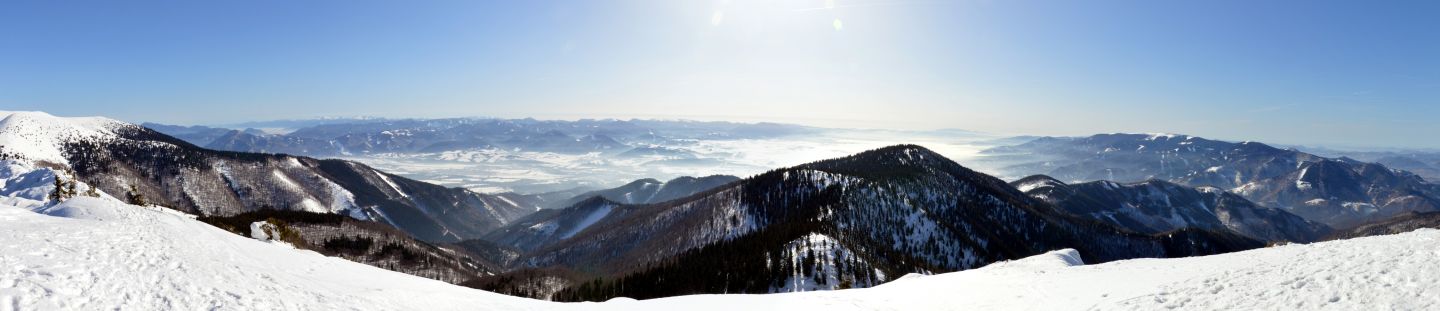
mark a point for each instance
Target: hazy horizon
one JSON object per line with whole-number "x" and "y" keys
{"x": 1330, "y": 73}
{"x": 1311, "y": 146}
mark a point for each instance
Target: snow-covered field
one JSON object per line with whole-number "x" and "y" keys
{"x": 93, "y": 253}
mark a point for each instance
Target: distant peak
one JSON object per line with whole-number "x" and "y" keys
{"x": 593, "y": 201}
{"x": 1210, "y": 189}
{"x": 894, "y": 160}
{"x": 1033, "y": 182}
{"x": 39, "y": 136}
{"x": 1158, "y": 183}
{"x": 644, "y": 181}
{"x": 1166, "y": 136}
{"x": 900, "y": 151}
{"x": 1040, "y": 178}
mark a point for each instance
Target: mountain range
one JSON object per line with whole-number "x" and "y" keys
{"x": 649, "y": 190}
{"x": 849, "y": 222}
{"x": 1339, "y": 192}
{"x": 1157, "y": 206}
{"x": 378, "y": 136}
{"x": 855, "y": 221}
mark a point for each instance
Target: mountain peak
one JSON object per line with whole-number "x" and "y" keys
{"x": 642, "y": 182}
{"x": 1035, "y": 182}
{"x": 1168, "y": 136}
{"x": 39, "y": 136}
{"x": 905, "y": 154}
{"x": 898, "y": 159}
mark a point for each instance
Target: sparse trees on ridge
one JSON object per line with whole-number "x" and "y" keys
{"x": 135, "y": 198}
{"x": 94, "y": 192}
{"x": 64, "y": 189}
{"x": 58, "y": 194}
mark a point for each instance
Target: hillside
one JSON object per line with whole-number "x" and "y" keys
{"x": 1157, "y": 206}
{"x": 96, "y": 255}
{"x": 121, "y": 158}
{"x": 1339, "y": 192}
{"x": 855, "y": 221}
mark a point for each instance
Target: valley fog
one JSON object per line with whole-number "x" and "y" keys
{"x": 494, "y": 170}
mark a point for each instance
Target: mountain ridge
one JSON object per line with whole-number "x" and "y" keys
{"x": 119, "y": 158}
{"x": 1155, "y": 206}
{"x": 1350, "y": 192}
{"x": 876, "y": 214}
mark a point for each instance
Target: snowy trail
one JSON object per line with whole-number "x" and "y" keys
{"x": 101, "y": 254}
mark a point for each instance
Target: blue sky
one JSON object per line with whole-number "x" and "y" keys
{"x": 1356, "y": 73}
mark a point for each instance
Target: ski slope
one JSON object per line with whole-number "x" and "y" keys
{"x": 98, "y": 253}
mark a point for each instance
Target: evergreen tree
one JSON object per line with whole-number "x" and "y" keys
{"x": 58, "y": 194}
{"x": 70, "y": 191}
{"x": 94, "y": 192}
{"x": 135, "y": 198}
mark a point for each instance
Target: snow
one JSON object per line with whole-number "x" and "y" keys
{"x": 24, "y": 185}
{"x": 146, "y": 258}
{"x": 594, "y": 217}
{"x": 1300, "y": 182}
{"x": 260, "y": 230}
{"x": 343, "y": 202}
{"x": 392, "y": 184}
{"x": 39, "y": 136}
{"x": 1026, "y": 187}
{"x": 1388, "y": 272}
{"x": 545, "y": 228}
{"x": 829, "y": 254}
{"x": 1360, "y": 207}
{"x": 99, "y": 253}
{"x": 285, "y": 180}
{"x": 140, "y": 258}
{"x": 1165, "y": 136}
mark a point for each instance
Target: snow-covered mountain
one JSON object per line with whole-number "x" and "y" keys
{"x": 25, "y": 185}
{"x": 38, "y": 136}
{"x": 1158, "y": 206}
{"x": 1425, "y": 163}
{"x": 120, "y": 158}
{"x": 1338, "y": 192}
{"x": 89, "y": 254}
{"x": 855, "y": 221}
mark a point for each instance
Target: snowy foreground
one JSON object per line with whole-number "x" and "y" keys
{"x": 92, "y": 254}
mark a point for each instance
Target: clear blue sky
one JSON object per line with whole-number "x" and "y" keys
{"x": 1332, "y": 72}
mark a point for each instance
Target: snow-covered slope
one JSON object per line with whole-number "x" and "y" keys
{"x": 117, "y": 256}
{"x": 119, "y": 158}
{"x": 39, "y": 136}
{"x": 1397, "y": 272}
{"x": 107, "y": 255}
